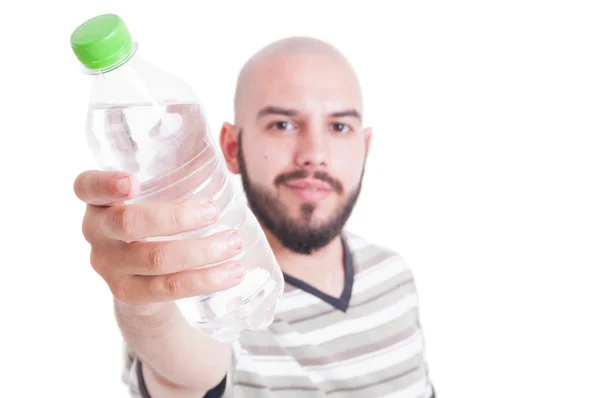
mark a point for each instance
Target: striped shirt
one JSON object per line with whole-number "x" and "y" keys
{"x": 366, "y": 343}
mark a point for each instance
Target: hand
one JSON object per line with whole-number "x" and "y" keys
{"x": 146, "y": 274}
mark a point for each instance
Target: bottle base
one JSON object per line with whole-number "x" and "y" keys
{"x": 229, "y": 329}
{"x": 224, "y": 315}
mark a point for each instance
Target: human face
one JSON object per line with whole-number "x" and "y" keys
{"x": 302, "y": 148}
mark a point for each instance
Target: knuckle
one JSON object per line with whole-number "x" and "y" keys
{"x": 96, "y": 185}
{"x": 173, "y": 285}
{"x": 156, "y": 258}
{"x": 98, "y": 261}
{"x": 86, "y": 230}
{"x": 126, "y": 220}
{"x": 89, "y": 225}
{"x": 178, "y": 217}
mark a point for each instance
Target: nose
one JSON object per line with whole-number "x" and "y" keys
{"x": 312, "y": 150}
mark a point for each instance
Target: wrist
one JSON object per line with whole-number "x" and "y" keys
{"x": 145, "y": 319}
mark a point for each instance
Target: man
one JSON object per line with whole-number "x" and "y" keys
{"x": 347, "y": 324}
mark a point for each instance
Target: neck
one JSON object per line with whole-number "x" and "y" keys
{"x": 322, "y": 268}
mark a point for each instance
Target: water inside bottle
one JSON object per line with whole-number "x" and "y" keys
{"x": 148, "y": 140}
{"x": 169, "y": 149}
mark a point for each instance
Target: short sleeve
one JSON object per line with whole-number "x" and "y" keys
{"x": 133, "y": 377}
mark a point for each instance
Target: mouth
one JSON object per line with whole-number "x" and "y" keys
{"x": 311, "y": 190}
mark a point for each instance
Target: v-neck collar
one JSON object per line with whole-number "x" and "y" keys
{"x": 342, "y": 302}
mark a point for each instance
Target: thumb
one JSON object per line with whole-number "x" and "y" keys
{"x": 102, "y": 188}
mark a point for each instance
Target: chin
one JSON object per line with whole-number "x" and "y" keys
{"x": 316, "y": 218}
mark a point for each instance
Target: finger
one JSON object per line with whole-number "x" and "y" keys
{"x": 144, "y": 289}
{"x": 101, "y": 188}
{"x": 159, "y": 258}
{"x": 140, "y": 221}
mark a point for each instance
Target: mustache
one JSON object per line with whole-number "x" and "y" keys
{"x": 334, "y": 183}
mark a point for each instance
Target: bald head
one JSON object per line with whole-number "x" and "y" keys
{"x": 304, "y": 56}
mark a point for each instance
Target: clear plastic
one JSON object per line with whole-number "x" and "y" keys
{"x": 150, "y": 123}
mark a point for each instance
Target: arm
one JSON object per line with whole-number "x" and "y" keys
{"x": 147, "y": 276}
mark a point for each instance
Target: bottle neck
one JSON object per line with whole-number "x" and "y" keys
{"x": 136, "y": 81}
{"x": 103, "y": 71}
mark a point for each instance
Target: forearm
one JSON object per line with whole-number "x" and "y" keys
{"x": 178, "y": 361}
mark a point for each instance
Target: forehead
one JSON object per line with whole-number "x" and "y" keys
{"x": 311, "y": 84}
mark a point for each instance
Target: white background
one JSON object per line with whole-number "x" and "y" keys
{"x": 486, "y": 120}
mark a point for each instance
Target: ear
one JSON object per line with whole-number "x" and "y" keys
{"x": 368, "y": 134}
{"x": 228, "y": 139}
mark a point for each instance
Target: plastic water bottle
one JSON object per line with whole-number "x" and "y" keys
{"x": 147, "y": 122}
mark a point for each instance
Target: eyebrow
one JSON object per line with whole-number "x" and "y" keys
{"x": 347, "y": 113}
{"x": 274, "y": 110}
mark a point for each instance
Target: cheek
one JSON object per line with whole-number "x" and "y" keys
{"x": 264, "y": 163}
{"x": 348, "y": 165}
{"x": 274, "y": 162}
{"x": 273, "y": 158}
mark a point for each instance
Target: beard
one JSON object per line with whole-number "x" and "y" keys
{"x": 300, "y": 236}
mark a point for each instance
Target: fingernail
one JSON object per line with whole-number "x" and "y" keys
{"x": 235, "y": 241}
{"x": 123, "y": 185}
{"x": 208, "y": 211}
{"x": 235, "y": 271}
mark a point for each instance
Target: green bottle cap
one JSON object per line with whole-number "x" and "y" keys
{"x": 102, "y": 42}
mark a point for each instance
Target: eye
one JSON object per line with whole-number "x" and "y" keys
{"x": 340, "y": 128}
{"x": 281, "y": 125}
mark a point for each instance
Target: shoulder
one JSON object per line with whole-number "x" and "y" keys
{"x": 370, "y": 255}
